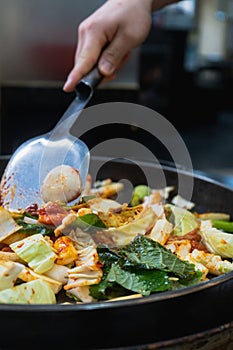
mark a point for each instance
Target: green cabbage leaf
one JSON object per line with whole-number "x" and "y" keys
{"x": 36, "y": 251}
{"x": 182, "y": 219}
{"x": 34, "y": 292}
{"x": 217, "y": 241}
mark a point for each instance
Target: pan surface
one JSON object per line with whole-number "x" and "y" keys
{"x": 197, "y": 317}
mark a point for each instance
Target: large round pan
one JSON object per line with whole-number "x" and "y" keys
{"x": 198, "y": 317}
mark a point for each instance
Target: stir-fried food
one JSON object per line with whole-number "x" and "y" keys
{"x": 101, "y": 250}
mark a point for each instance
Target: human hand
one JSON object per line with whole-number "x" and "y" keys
{"x": 107, "y": 37}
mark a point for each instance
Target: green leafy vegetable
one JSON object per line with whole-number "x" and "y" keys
{"x": 144, "y": 266}
{"x": 139, "y": 280}
{"x": 86, "y": 222}
{"x": 32, "y": 229}
{"x": 146, "y": 253}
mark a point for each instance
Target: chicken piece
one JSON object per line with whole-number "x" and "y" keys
{"x": 67, "y": 220}
{"x": 81, "y": 293}
{"x": 180, "y": 247}
{"x": 84, "y": 211}
{"x": 213, "y": 263}
{"x": 198, "y": 266}
{"x": 87, "y": 272}
{"x": 66, "y": 252}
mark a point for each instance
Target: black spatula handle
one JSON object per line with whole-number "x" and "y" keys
{"x": 93, "y": 78}
{"x": 88, "y": 83}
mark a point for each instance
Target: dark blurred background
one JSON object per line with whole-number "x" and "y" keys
{"x": 184, "y": 71}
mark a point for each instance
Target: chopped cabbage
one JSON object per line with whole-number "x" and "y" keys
{"x": 103, "y": 204}
{"x": 182, "y": 202}
{"x": 161, "y": 231}
{"x": 36, "y": 251}
{"x": 58, "y": 273}
{"x": 183, "y": 220}
{"x": 8, "y": 225}
{"x": 218, "y": 242}
{"x": 28, "y": 275}
{"x": 124, "y": 234}
{"x": 9, "y": 271}
{"x": 34, "y": 292}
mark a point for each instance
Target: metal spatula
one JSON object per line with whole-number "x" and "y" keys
{"x": 32, "y": 161}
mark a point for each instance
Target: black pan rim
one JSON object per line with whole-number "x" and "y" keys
{"x": 166, "y": 165}
{"x": 120, "y": 303}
